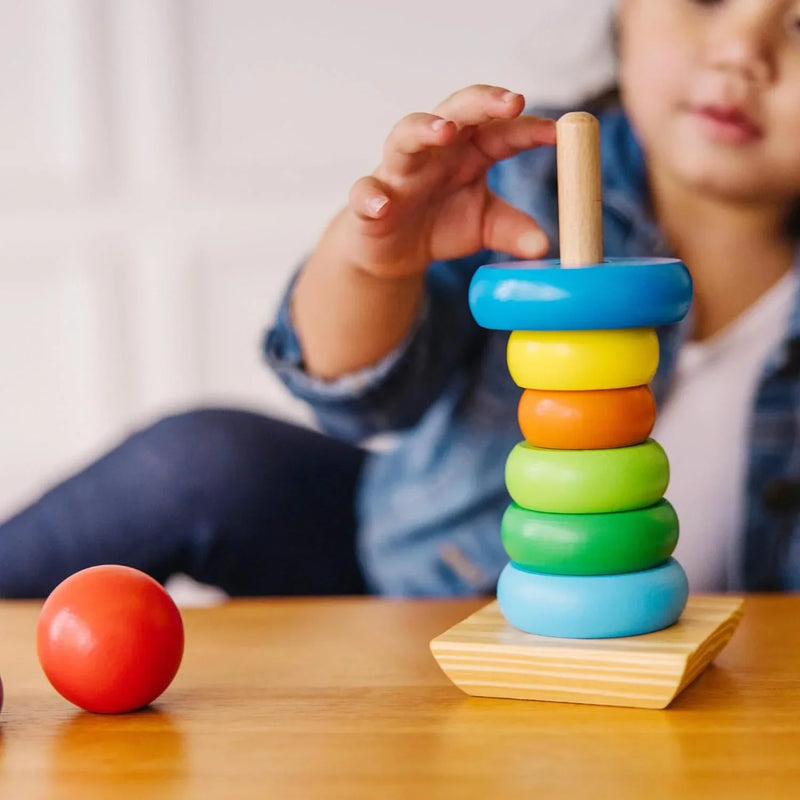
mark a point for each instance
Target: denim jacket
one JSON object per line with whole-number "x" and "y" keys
{"x": 429, "y": 506}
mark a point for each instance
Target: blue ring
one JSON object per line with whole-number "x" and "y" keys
{"x": 542, "y": 296}
{"x": 593, "y": 606}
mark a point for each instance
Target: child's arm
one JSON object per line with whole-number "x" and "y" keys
{"x": 360, "y": 291}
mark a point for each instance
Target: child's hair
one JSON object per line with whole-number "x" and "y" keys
{"x": 600, "y": 101}
{"x": 792, "y": 225}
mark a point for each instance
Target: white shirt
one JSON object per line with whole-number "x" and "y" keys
{"x": 704, "y": 429}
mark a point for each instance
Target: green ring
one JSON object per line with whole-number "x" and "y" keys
{"x": 587, "y": 481}
{"x": 590, "y": 544}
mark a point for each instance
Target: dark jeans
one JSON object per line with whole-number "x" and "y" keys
{"x": 241, "y": 501}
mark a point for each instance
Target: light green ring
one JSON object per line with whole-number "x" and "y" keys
{"x": 587, "y": 481}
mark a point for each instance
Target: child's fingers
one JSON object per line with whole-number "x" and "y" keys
{"x": 480, "y": 103}
{"x": 369, "y": 198}
{"x": 413, "y": 135}
{"x": 472, "y": 107}
{"x": 509, "y": 230}
{"x": 503, "y": 138}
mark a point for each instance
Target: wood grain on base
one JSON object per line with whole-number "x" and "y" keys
{"x": 486, "y": 656}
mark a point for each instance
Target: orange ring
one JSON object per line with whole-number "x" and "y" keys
{"x": 586, "y": 420}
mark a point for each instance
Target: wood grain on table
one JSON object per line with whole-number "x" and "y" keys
{"x": 341, "y": 698}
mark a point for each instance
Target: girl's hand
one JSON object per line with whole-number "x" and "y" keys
{"x": 428, "y": 199}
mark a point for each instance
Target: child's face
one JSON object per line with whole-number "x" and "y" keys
{"x": 713, "y": 90}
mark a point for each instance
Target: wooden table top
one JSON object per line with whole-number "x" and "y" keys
{"x": 341, "y": 698}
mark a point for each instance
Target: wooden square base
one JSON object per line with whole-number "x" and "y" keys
{"x": 485, "y": 656}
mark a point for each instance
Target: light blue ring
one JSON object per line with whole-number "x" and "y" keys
{"x": 543, "y": 296}
{"x": 593, "y": 606}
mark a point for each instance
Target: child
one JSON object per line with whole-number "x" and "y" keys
{"x": 375, "y": 332}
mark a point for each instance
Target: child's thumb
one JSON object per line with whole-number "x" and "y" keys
{"x": 509, "y": 230}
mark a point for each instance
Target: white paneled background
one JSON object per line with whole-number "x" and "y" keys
{"x": 165, "y": 163}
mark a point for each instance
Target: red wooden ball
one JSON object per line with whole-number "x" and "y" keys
{"x": 110, "y": 639}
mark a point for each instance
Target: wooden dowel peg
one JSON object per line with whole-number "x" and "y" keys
{"x": 580, "y": 209}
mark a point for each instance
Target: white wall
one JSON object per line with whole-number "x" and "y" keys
{"x": 164, "y": 163}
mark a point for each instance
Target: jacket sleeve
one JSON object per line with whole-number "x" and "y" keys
{"x": 393, "y": 393}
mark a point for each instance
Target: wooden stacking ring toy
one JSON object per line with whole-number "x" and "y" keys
{"x": 589, "y": 532}
{"x": 590, "y": 544}
{"x": 587, "y": 481}
{"x": 592, "y": 420}
{"x": 593, "y": 606}
{"x": 615, "y": 293}
{"x": 582, "y": 360}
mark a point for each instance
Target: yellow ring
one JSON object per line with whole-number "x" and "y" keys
{"x": 583, "y": 360}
